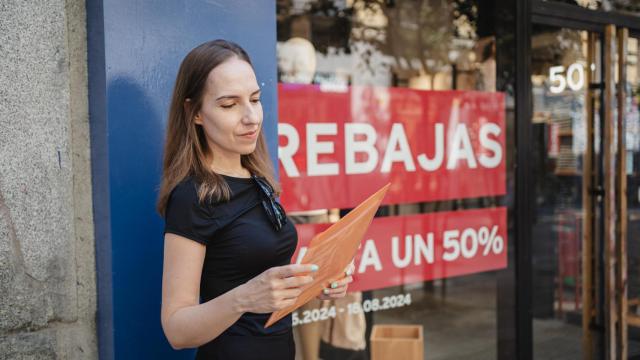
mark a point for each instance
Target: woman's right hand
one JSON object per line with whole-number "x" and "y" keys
{"x": 274, "y": 289}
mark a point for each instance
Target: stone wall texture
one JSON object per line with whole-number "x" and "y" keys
{"x": 47, "y": 260}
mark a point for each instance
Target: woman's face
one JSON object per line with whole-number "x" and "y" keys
{"x": 231, "y": 112}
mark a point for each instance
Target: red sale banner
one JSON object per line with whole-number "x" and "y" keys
{"x": 335, "y": 148}
{"x": 407, "y": 249}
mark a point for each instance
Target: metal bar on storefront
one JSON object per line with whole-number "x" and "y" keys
{"x": 587, "y": 206}
{"x": 571, "y": 12}
{"x": 524, "y": 184}
{"x": 621, "y": 176}
{"x": 565, "y": 23}
{"x": 610, "y": 314}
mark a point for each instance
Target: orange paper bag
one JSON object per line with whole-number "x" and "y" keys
{"x": 333, "y": 249}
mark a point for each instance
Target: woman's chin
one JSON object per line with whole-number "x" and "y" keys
{"x": 246, "y": 150}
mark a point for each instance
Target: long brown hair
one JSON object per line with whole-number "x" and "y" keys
{"x": 186, "y": 148}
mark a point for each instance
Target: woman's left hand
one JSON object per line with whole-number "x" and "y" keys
{"x": 338, "y": 288}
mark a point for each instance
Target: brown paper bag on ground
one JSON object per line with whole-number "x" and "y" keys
{"x": 333, "y": 249}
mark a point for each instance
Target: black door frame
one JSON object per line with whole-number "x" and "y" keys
{"x": 524, "y": 182}
{"x": 574, "y": 16}
{"x": 529, "y": 12}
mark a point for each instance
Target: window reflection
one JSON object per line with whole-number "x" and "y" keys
{"x": 342, "y": 45}
{"x": 559, "y": 79}
{"x": 560, "y": 75}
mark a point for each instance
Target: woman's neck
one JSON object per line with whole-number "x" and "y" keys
{"x": 231, "y": 167}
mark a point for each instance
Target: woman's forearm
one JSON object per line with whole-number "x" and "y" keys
{"x": 186, "y": 325}
{"x": 195, "y": 325}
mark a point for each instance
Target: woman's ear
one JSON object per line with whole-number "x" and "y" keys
{"x": 197, "y": 119}
{"x": 187, "y": 108}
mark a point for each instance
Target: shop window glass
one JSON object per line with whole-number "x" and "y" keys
{"x": 559, "y": 78}
{"x": 388, "y": 60}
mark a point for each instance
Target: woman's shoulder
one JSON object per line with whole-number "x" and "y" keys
{"x": 186, "y": 187}
{"x": 184, "y": 193}
{"x": 185, "y": 200}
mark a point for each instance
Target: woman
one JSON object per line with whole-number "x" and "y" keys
{"x": 228, "y": 243}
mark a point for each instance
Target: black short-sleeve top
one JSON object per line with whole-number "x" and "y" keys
{"x": 240, "y": 241}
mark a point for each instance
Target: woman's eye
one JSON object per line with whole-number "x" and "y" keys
{"x": 227, "y": 106}
{"x": 255, "y": 101}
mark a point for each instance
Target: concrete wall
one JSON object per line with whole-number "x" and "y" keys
{"x": 47, "y": 262}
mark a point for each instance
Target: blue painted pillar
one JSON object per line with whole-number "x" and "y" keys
{"x": 135, "y": 48}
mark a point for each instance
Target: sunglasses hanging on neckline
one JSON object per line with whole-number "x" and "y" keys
{"x": 274, "y": 210}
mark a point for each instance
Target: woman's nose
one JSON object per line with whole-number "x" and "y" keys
{"x": 250, "y": 115}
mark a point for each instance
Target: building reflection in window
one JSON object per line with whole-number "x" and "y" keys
{"x": 423, "y": 45}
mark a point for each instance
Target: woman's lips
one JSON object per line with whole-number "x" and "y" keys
{"x": 251, "y": 135}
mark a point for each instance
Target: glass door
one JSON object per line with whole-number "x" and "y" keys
{"x": 560, "y": 70}
{"x": 583, "y": 168}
